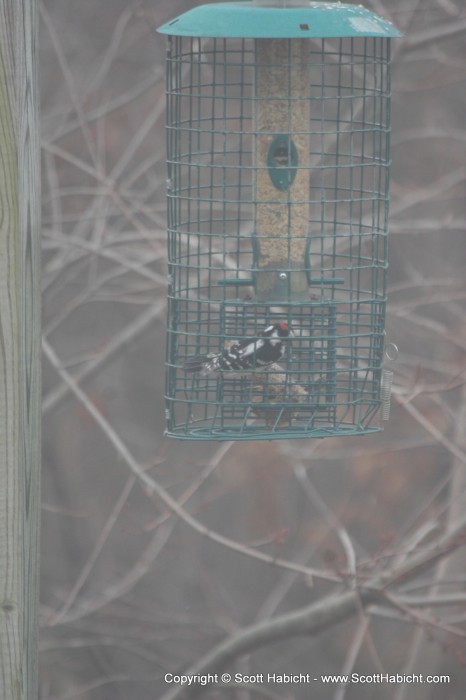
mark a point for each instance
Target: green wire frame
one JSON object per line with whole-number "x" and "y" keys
{"x": 329, "y": 382}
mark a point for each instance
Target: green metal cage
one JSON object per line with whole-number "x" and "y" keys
{"x": 278, "y": 160}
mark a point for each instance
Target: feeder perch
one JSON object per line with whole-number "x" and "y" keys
{"x": 278, "y": 120}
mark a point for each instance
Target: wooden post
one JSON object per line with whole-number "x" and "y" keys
{"x": 19, "y": 349}
{"x": 282, "y": 156}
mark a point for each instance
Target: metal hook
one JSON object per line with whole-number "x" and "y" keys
{"x": 392, "y": 352}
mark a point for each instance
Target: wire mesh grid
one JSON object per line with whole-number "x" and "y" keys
{"x": 278, "y": 167}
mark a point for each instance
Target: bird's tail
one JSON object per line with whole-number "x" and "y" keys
{"x": 202, "y": 363}
{"x": 196, "y": 363}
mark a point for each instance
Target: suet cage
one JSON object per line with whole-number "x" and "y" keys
{"x": 278, "y": 123}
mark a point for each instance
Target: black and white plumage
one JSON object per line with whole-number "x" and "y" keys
{"x": 244, "y": 355}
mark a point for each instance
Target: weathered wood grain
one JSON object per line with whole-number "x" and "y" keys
{"x": 19, "y": 349}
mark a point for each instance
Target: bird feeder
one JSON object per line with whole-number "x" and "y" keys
{"x": 278, "y": 121}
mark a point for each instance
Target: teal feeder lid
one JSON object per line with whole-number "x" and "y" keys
{"x": 247, "y": 20}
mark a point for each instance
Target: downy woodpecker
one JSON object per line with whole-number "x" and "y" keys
{"x": 244, "y": 355}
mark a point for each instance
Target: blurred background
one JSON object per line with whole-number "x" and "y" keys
{"x": 131, "y": 591}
